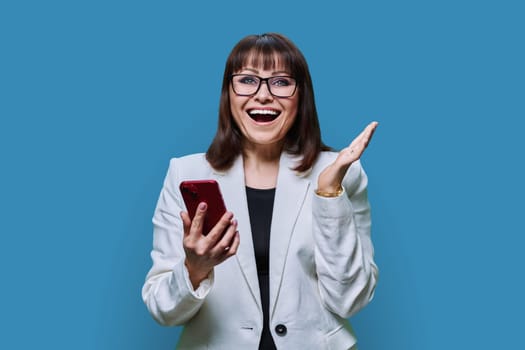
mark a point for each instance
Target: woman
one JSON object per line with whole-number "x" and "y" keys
{"x": 297, "y": 259}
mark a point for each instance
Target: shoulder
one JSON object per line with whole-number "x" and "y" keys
{"x": 192, "y": 166}
{"x": 190, "y": 159}
{"x": 325, "y": 158}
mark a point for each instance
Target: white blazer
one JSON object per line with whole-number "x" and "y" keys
{"x": 321, "y": 263}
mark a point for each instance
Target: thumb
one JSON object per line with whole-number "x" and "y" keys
{"x": 198, "y": 220}
{"x": 186, "y": 222}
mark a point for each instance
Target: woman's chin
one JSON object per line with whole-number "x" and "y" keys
{"x": 264, "y": 138}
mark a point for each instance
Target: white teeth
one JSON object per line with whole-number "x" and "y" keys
{"x": 263, "y": 111}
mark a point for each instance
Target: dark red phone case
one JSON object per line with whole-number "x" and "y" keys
{"x": 207, "y": 191}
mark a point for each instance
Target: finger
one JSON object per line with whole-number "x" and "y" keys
{"x": 235, "y": 245}
{"x": 363, "y": 139}
{"x": 232, "y": 248}
{"x": 356, "y": 143}
{"x": 186, "y": 222}
{"x": 225, "y": 242}
{"x": 357, "y": 147}
{"x": 198, "y": 220}
{"x": 370, "y": 129}
{"x": 217, "y": 231}
{"x": 365, "y": 135}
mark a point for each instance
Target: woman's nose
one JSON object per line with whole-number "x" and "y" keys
{"x": 264, "y": 93}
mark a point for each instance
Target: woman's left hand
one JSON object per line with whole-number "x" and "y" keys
{"x": 332, "y": 176}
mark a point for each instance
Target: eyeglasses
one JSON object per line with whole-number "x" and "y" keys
{"x": 248, "y": 85}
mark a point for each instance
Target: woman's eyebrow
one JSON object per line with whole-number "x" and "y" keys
{"x": 251, "y": 70}
{"x": 279, "y": 72}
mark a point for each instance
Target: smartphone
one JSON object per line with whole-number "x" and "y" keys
{"x": 197, "y": 191}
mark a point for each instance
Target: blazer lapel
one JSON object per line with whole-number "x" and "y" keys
{"x": 234, "y": 193}
{"x": 290, "y": 195}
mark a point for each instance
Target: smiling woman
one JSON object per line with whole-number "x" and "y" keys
{"x": 296, "y": 260}
{"x": 277, "y": 56}
{"x": 263, "y": 118}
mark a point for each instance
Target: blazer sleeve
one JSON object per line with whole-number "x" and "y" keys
{"x": 344, "y": 255}
{"x": 167, "y": 291}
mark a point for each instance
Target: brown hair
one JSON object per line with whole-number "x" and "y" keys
{"x": 304, "y": 137}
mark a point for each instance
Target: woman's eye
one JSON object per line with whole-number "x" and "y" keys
{"x": 281, "y": 82}
{"x": 249, "y": 80}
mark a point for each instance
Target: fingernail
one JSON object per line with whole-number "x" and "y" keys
{"x": 202, "y": 206}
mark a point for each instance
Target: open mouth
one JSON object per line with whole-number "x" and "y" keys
{"x": 263, "y": 115}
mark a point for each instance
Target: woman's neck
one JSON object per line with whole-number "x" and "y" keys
{"x": 261, "y": 166}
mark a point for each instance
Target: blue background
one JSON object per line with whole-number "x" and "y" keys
{"x": 96, "y": 96}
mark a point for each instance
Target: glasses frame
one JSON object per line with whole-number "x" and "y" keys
{"x": 261, "y": 80}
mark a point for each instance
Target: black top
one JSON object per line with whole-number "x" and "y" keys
{"x": 260, "y": 208}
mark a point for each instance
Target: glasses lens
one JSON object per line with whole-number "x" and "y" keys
{"x": 282, "y": 86}
{"x": 245, "y": 84}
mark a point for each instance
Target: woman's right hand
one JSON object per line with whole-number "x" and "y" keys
{"x": 203, "y": 252}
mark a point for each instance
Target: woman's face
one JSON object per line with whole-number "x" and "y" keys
{"x": 263, "y": 118}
